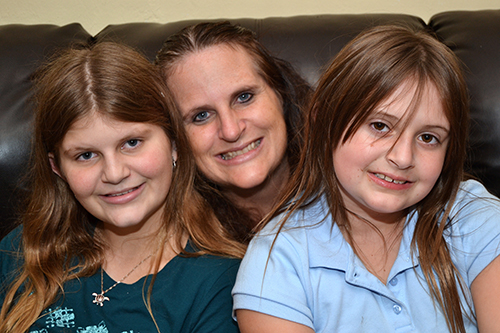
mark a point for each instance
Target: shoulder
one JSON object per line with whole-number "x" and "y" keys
{"x": 291, "y": 236}
{"x": 206, "y": 268}
{"x": 473, "y": 229}
{"x": 475, "y": 208}
{"x": 308, "y": 217}
{"x": 10, "y": 250}
{"x": 13, "y": 240}
{"x": 286, "y": 246}
{"x": 210, "y": 264}
{"x": 10, "y": 259}
{"x": 282, "y": 254}
{"x": 202, "y": 285}
{"x": 473, "y": 193}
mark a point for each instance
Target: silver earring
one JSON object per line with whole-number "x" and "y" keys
{"x": 174, "y": 162}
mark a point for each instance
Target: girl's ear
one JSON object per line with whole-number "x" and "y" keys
{"x": 55, "y": 168}
{"x": 174, "y": 153}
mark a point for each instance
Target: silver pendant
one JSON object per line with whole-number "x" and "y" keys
{"x": 99, "y": 299}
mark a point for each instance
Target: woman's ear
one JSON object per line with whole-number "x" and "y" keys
{"x": 54, "y": 167}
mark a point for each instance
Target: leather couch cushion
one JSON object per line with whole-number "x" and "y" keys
{"x": 308, "y": 42}
{"x": 475, "y": 39}
{"x": 23, "y": 49}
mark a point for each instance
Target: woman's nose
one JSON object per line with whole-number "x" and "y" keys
{"x": 231, "y": 125}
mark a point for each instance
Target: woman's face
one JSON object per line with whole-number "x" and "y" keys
{"x": 120, "y": 172}
{"x": 234, "y": 120}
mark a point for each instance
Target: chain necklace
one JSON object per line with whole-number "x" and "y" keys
{"x": 100, "y": 298}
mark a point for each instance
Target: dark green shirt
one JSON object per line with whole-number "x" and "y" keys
{"x": 189, "y": 295}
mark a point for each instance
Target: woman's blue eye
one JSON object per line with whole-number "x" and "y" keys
{"x": 245, "y": 97}
{"x": 201, "y": 116}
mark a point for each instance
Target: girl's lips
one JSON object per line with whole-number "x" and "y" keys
{"x": 232, "y": 154}
{"x": 122, "y": 197}
{"x": 388, "y": 182}
{"x": 389, "y": 179}
{"x": 121, "y": 193}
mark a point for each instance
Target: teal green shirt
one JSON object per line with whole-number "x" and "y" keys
{"x": 189, "y": 295}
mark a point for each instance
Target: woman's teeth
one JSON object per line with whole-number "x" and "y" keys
{"x": 233, "y": 154}
{"x": 389, "y": 179}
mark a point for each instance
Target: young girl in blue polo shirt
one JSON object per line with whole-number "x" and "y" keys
{"x": 382, "y": 234}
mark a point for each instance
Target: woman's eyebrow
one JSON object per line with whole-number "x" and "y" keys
{"x": 246, "y": 88}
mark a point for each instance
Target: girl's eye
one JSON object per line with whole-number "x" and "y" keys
{"x": 245, "y": 97}
{"x": 85, "y": 156}
{"x": 429, "y": 138}
{"x": 201, "y": 116}
{"x": 379, "y": 126}
{"x": 131, "y": 143}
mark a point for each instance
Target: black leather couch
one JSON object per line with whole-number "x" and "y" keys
{"x": 308, "y": 42}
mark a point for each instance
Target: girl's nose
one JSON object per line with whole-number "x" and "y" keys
{"x": 114, "y": 170}
{"x": 401, "y": 153}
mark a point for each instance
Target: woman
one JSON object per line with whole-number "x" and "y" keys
{"x": 114, "y": 235}
{"x": 242, "y": 109}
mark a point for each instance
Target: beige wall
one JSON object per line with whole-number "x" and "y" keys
{"x": 96, "y": 14}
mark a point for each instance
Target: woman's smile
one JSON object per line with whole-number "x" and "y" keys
{"x": 232, "y": 154}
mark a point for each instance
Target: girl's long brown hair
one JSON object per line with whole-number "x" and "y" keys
{"x": 60, "y": 240}
{"x": 366, "y": 72}
{"x": 293, "y": 91}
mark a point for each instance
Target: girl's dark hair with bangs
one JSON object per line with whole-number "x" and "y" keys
{"x": 364, "y": 74}
{"x": 293, "y": 91}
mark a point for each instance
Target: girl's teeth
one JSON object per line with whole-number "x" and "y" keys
{"x": 233, "y": 154}
{"x": 123, "y": 193}
{"x": 389, "y": 179}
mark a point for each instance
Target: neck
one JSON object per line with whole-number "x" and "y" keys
{"x": 121, "y": 261}
{"x": 377, "y": 243}
{"x": 260, "y": 200}
{"x": 367, "y": 225}
{"x": 126, "y": 247}
{"x": 130, "y": 239}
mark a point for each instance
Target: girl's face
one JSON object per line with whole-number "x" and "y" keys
{"x": 120, "y": 172}
{"x": 234, "y": 120}
{"x": 393, "y": 162}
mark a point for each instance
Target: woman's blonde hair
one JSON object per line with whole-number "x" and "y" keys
{"x": 60, "y": 239}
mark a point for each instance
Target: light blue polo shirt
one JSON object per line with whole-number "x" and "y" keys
{"x": 314, "y": 278}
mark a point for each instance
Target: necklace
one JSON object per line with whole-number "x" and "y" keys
{"x": 100, "y": 298}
